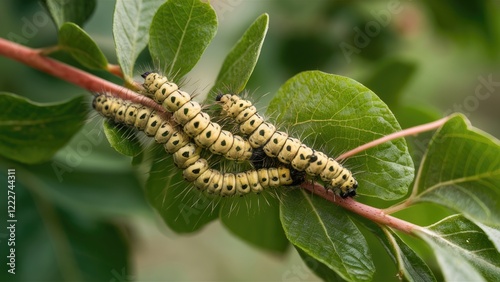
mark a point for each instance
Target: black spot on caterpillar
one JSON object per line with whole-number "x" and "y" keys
{"x": 186, "y": 154}
{"x": 288, "y": 150}
{"x": 195, "y": 122}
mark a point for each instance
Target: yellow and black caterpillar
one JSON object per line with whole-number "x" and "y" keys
{"x": 262, "y": 136}
{"x": 186, "y": 154}
{"x": 288, "y": 150}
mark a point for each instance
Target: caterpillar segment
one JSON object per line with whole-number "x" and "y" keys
{"x": 186, "y": 154}
{"x": 196, "y": 123}
{"x": 286, "y": 149}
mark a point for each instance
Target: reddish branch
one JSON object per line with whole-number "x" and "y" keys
{"x": 35, "y": 59}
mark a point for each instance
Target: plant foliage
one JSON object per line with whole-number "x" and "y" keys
{"x": 460, "y": 168}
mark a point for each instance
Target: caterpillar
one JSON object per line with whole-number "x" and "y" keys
{"x": 195, "y": 122}
{"x": 275, "y": 144}
{"x": 288, "y": 150}
{"x": 186, "y": 155}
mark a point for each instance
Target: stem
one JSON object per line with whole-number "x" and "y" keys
{"x": 35, "y": 59}
{"x": 403, "y": 133}
{"x": 363, "y": 210}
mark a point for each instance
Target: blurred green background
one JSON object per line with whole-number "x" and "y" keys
{"x": 425, "y": 59}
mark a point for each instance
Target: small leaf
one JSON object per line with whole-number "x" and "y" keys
{"x": 337, "y": 114}
{"x": 463, "y": 250}
{"x": 255, "y": 220}
{"x": 78, "y": 43}
{"x": 183, "y": 208}
{"x": 76, "y": 11}
{"x": 461, "y": 170}
{"x": 32, "y": 132}
{"x": 131, "y": 22}
{"x": 181, "y": 30}
{"x": 241, "y": 60}
{"x": 121, "y": 139}
{"x": 325, "y": 232}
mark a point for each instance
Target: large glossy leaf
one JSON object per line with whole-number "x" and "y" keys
{"x": 131, "y": 22}
{"x": 255, "y": 219}
{"x": 76, "y": 11}
{"x": 326, "y": 233}
{"x": 336, "y": 114}
{"x": 463, "y": 250}
{"x": 461, "y": 170}
{"x": 122, "y": 139}
{"x": 78, "y": 43}
{"x": 32, "y": 132}
{"x": 241, "y": 60}
{"x": 55, "y": 243}
{"x": 183, "y": 208}
{"x": 181, "y": 30}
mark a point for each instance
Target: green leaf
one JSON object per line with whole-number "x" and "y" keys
{"x": 181, "y": 30}
{"x": 55, "y": 243}
{"x": 121, "y": 139}
{"x": 463, "y": 250}
{"x": 32, "y": 132}
{"x": 241, "y": 60}
{"x": 337, "y": 114}
{"x": 183, "y": 208}
{"x": 131, "y": 22}
{"x": 461, "y": 170}
{"x": 78, "y": 43}
{"x": 76, "y": 11}
{"x": 255, "y": 220}
{"x": 325, "y": 232}
{"x": 389, "y": 80}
